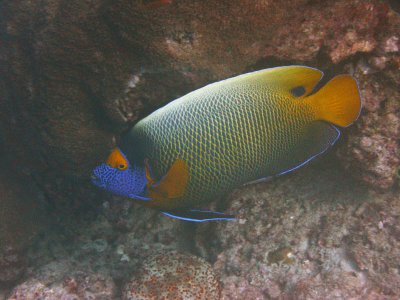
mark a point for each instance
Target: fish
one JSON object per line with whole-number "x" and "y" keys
{"x": 252, "y": 127}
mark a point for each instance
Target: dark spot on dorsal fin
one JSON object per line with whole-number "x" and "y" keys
{"x": 298, "y": 91}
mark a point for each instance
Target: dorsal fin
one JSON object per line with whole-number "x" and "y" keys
{"x": 289, "y": 78}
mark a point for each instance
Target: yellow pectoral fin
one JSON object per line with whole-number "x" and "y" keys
{"x": 173, "y": 184}
{"x": 150, "y": 180}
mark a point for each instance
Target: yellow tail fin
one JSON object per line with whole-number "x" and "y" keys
{"x": 338, "y": 102}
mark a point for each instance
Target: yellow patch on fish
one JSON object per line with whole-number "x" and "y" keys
{"x": 338, "y": 101}
{"x": 172, "y": 185}
{"x": 117, "y": 160}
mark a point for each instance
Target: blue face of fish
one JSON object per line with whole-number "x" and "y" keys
{"x": 118, "y": 177}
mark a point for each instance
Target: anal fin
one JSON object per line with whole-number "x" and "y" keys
{"x": 194, "y": 215}
{"x": 263, "y": 179}
{"x": 319, "y": 137}
{"x": 141, "y": 198}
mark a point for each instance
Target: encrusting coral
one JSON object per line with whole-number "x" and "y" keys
{"x": 173, "y": 275}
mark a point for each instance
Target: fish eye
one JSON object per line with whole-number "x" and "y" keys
{"x": 121, "y": 167}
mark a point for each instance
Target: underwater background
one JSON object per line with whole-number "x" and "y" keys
{"x": 75, "y": 74}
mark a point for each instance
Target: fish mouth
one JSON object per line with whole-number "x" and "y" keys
{"x": 97, "y": 181}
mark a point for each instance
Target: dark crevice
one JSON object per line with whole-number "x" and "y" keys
{"x": 100, "y": 116}
{"x": 136, "y": 50}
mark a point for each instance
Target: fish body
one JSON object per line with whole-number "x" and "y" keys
{"x": 201, "y": 146}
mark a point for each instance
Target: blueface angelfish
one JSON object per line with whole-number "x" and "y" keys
{"x": 212, "y": 140}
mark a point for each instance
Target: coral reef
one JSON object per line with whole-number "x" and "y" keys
{"x": 54, "y": 282}
{"x": 172, "y": 275}
{"x": 96, "y": 260}
{"x": 116, "y": 242}
{"x": 311, "y": 235}
{"x": 12, "y": 264}
{"x": 20, "y": 220}
{"x": 372, "y": 151}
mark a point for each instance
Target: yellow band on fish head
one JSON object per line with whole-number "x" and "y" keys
{"x": 117, "y": 160}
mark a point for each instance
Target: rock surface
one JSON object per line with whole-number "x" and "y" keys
{"x": 21, "y": 218}
{"x": 310, "y": 235}
{"x": 372, "y": 151}
{"x": 105, "y": 252}
{"x": 116, "y": 242}
{"x": 55, "y": 282}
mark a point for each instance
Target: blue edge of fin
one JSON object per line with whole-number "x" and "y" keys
{"x": 195, "y": 215}
{"x": 141, "y": 198}
{"x": 314, "y": 156}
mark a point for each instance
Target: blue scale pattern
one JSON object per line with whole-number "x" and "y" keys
{"x": 129, "y": 183}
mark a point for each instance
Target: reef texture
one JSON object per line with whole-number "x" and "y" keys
{"x": 310, "y": 235}
{"x": 172, "y": 275}
{"x": 97, "y": 261}
{"x": 74, "y": 74}
{"x": 54, "y": 282}
{"x": 20, "y": 220}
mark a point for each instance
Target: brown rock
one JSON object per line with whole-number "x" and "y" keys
{"x": 20, "y": 221}
{"x": 339, "y": 240}
{"x": 76, "y": 286}
{"x": 372, "y": 151}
